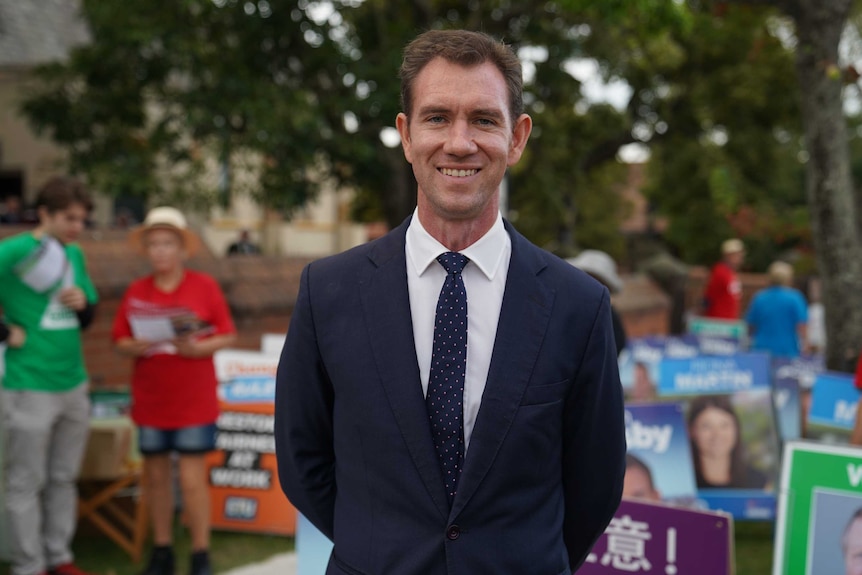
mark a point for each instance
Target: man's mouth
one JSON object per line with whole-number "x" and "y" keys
{"x": 458, "y": 173}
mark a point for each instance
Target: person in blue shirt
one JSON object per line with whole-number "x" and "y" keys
{"x": 778, "y": 315}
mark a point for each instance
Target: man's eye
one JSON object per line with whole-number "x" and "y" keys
{"x": 435, "y": 119}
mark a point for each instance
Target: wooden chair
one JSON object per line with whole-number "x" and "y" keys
{"x": 126, "y": 527}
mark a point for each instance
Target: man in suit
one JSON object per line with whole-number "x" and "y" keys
{"x": 413, "y": 460}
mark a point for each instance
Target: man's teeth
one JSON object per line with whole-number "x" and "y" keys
{"x": 458, "y": 173}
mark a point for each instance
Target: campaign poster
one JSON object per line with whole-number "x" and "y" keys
{"x": 244, "y": 490}
{"x": 834, "y": 400}
{"x": 792, "y": 382}
{"x": 732, "y": 429}
{"x": 272, "y": 343}
{"x": 658, "y": 462}
{"x": 639, "y": 363}
{"x": 649, "y": 538}
{"x": 819, "y": 521}
{"x": 723, "y": 328}
{"x": 716, "y": 345}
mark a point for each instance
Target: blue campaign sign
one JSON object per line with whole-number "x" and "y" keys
{"x": 751, "y": 504}
{"x": 714, "y": 374}
{"x": 834, "y": 400}
{"x": 715, "y": 345}
{"x": 639, "y": 362}
{"x": 657, "y": 437}
{"x": 253, "y": 389}
{"x": 788, "y": 410}
{"x": 803, "y": 369}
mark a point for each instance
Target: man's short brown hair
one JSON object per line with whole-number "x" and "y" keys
{"x": 467, "y": 49}
{"x": 60, "y": 192}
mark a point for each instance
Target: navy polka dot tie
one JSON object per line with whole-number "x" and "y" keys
{"x": 445, "y": 396}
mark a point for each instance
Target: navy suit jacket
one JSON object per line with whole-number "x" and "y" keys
{"x": 544, "y": 471}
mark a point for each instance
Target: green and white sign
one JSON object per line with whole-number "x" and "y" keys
{"x": 819, "y": 521}
{"x": 724, "y": 328}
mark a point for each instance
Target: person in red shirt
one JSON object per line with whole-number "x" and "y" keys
{"x": 723, "y": 290}
{"x": 172, "y": 322}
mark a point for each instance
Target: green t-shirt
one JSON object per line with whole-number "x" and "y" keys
{"x": 52, "y": 358}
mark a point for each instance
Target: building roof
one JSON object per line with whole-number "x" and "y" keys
{"x": 34, "y": 32}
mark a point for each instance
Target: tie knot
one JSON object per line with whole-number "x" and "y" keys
{"x": 453, "y": 262}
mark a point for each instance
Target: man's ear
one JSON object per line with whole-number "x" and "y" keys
{"x": 402, "y": 123}
{"x": 43, "y": 214}
{"x": 520, "y": 135}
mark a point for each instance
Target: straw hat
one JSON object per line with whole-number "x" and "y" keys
{"x": 732, "y": 246}
{"x": 165, "y": 218}
{"x": 601, "y": 266}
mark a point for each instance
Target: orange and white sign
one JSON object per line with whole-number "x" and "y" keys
{"x": 243, "y": 474}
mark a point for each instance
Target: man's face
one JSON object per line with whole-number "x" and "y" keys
{"x": 65, "y": 225}
{"x": 735, "y": 259}
{"x": 460, "y": 140}
{"x": 853, "y": 549}
{"x": 637, "y": 484}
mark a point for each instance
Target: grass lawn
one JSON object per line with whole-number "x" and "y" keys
{"x": 99, "y": 555}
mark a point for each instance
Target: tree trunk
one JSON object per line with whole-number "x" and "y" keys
{"x": 819, "y": 24}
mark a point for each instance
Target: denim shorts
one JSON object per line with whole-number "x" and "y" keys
{"x": 194, "y": 439}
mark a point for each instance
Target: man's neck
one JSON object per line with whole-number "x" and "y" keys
{"x": 456, "y": 235}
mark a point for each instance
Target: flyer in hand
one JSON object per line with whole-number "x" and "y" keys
{"x": 159, "y": 324}
{"x": 45, "y": 266}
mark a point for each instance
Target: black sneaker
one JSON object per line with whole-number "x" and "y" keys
{"x": 161, "y": 562}
{"x": 201, "y": 563}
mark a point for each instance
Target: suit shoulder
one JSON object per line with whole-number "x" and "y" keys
{"x": 352, "y": 261}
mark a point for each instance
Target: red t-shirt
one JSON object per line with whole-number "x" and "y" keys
{"x": 858, "y": 379}
{"x": 723, "y": 293}
{"x": 170, "y": 391}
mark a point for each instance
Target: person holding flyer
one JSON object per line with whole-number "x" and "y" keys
{"x": 47, "y": 299}
{"x": 172, "y": 322}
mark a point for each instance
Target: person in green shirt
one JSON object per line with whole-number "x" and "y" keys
{"x": 47, "y": 298}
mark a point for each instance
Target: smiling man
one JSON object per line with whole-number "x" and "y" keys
{"x": 448, "y": 399}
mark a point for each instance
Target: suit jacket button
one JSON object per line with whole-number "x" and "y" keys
{"x": 453, "y": 532}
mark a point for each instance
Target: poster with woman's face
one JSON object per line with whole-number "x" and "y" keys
{"x": 731, "y": 425}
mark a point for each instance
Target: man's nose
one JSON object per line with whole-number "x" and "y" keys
{"x": 461, "y": 138}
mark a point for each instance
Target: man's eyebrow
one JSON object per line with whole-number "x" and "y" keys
{"x": 431, "y": 110}
{"x": 488, "y": 113}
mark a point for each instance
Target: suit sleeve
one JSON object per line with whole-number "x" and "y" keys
{"x": 303, "y": 418}
{"x": 594, "y": 443}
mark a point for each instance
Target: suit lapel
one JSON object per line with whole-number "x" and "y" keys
{"x": 524, "y": 317}
{"x": 386, "y": 308}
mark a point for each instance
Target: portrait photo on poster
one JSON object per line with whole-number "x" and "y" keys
{"x": 733, "y": 440}
{"x": 835, "y": 533}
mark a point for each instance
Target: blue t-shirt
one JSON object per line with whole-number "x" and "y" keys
{"x": 773, "y": 317}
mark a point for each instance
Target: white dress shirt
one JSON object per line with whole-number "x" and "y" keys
{"x": 484, "y": 279}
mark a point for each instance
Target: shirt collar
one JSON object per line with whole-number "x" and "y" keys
{"x": 487, "y": 252}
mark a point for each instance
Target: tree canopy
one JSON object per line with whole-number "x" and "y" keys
{"x": 737, "y": 102}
